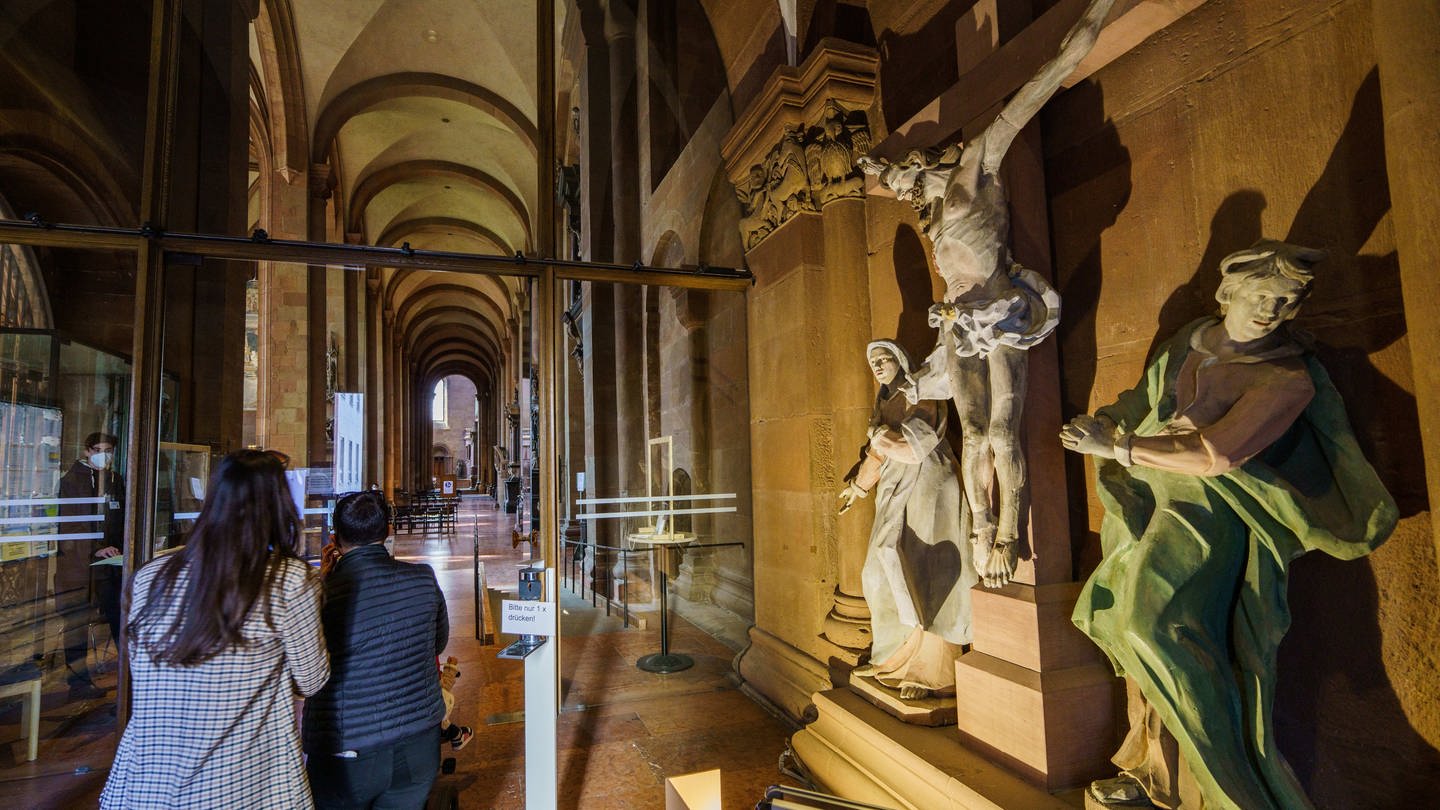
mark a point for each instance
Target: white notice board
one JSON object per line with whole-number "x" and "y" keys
{"x": 527, "y": 618}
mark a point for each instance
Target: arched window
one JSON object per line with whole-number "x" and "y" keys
{"x": 439, "y": 406}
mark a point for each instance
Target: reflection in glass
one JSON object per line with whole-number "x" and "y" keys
{"x": 62, "y": 413}
{"x": 74, "y": 78}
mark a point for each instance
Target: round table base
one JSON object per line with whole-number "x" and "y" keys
{"x": 665, "y": 664}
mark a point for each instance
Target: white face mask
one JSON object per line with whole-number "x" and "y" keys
{"x": 100, "y": 460}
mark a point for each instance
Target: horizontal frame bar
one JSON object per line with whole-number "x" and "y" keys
{"x": 677, "y": 498}
{"x": 51, "y": 501}
{"x": 45, "y": 538}
{"x": 711, "y": 510}
{"x": 95, "y": 237}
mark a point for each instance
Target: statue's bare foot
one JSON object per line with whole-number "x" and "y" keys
{"x": 999, "y": 564}
{"x": 981, "y": 541}
{"x": 1121, "y": 791}
{"x": 912, "y": 692}
{"x": 866, "y": 671}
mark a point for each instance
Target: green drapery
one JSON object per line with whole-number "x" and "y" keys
{"x": 1189, "y": 600}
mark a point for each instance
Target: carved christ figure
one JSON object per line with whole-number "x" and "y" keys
{"x": 994, "y": 309}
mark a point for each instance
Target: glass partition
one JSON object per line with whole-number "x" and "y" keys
{"x": 653, "y": 422}
{"x": 64, "y": 426}
{"x": 241, "y": 372}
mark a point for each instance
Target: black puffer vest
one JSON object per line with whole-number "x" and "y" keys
{"x": 385, "y": 622}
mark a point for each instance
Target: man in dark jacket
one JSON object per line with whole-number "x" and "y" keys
{"x": 373, "y": 732}
{"x": 92, "y": 488}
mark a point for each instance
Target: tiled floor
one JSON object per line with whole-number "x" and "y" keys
{"x": 622, "y": 731}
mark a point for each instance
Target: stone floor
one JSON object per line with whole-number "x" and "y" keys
{"x": 622, "y": 731}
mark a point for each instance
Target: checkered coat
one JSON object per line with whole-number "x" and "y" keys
{"x": 222, "y": 733}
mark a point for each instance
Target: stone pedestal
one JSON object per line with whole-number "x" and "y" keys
{"x": 696, "y": 581}
{"x": 1034, "y": 693}
{"x": 781, "y": 675}
{"x": 630, "y": 580}
{"x": 848, "y": 626}
{"x": 858, "y": 751}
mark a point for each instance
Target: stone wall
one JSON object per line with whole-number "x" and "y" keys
{"x": 1249, "y": 118}
{"x": 460, "y": 417}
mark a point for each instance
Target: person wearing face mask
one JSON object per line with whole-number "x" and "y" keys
{"x": 91, "y": 476}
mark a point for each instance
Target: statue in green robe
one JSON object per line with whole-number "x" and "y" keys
{"x": 1232, "y": 457}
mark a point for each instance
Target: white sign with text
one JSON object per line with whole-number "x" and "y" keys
{"x": 527, "y": 618}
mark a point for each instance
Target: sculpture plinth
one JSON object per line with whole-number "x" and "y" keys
{"x": 855, "y": 750}
{"x": 927, "y": 711}
{"x": 1038, "y": 696}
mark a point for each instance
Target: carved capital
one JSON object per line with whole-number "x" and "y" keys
{"x": 814, "y": 164}
{"x": 794, "y": 149}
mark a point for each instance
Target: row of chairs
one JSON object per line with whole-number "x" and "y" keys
{"x": 428, "y": 512}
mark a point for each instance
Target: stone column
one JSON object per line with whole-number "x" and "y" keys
{"x": 391, "y": 416}
{"x": 601, "y": 456}
{"x": 624, "y": 129}
{"x": 375, "y": 399}
{"x": 810, "y": 388}
{"x": 282, "y": 387}
{"x": 697, "y": 574}
{"x": 322, "y": 182}
{"x": 406, "y": 430}
{"x": 280, "y": 414}
{"x": 1407, "y": 47}
{"x": 629, "y": 302}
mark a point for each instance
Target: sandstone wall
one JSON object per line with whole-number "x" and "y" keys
{"x": 1249, "y": 118}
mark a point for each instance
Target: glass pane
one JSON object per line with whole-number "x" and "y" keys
{"x": 402, "y": 381}
{"x": 656, "y": 490}
{"x": 238, "y": 373}
{"x": 64, "y": 423}
{"x": 74, "y": 78}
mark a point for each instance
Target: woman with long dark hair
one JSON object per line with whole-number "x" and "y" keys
{"x": 224, "y": 635}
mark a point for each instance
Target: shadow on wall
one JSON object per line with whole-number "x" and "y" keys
{"x": 912, "y": 276}
{"x": 1104, "y": 174}
{"x": 1340, "y": 723}
{"x": 916, "y": 66}
{"x": 1339, "y": 719}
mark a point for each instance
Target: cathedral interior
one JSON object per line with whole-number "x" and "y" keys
{"x": 607, "y": 288}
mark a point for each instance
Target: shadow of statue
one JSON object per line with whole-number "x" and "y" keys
{"x": 1235, "y": 225}
{"x": 917, "y": 65}
{"x": 1338, "y": 717}
{"x": 913, "y": 277}
{"x": 1097, "y": 168}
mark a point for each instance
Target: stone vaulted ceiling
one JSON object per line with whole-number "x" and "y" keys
{"x": 426, "y": 112}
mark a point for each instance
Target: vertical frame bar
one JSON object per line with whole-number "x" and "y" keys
{"x": 144, "y": 433}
